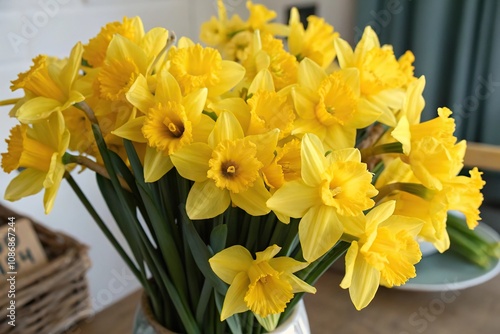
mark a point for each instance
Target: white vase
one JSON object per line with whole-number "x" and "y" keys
{"x": 297, "y": 323}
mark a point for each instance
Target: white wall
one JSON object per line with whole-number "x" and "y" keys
{"x": 31, "y": 27}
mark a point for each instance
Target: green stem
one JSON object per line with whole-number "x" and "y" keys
{"x": 412, "y": 188}
{"x": 90, "y": 209}
{"x": 381, "y": 149}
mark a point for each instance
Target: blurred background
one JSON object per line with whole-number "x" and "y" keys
{"x": 453, "y": 42}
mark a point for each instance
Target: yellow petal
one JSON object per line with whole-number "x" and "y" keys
{"x": 345, "y": 54}
{"x": 205, "y": 200}
{"x": 402, "y": 134}
{"x": 262, "y": 81}
{"x": 230, "y": 75}
{"x": 192, "y": 161}
{"x": 379, "y": 214}
{"x": 132, "y": 130}
{"x": 319, "y": 231}
{"x": 37, "y": 109}
{"x": 154, "y": 41}
{"x": 194, "y": 103}
{"x": 202, "y": 130}
{"x": 121, "y": 48}
{"x": 414, "y": 102}
{"x": 310, "y": 74}
{"x": 168, "y": 88}
{"x": 156, "y": 164}
{"x": 253, "y": 200}
{"x": 27, "y": 183}
{"x": 70, "y": 70}
{"x": 266, "y": 145}
{"x": 364, "y": 284}
{"x": 350, "y": 260}
{"x": 339, "y": 136}
{"x": 235, "y": 297}
{"x": 304, "y": 103}
{"x": 268, "y": 253}
{"x": 235, "y": 105}
{"x": 294, "y": 199}
{"x": 226, "y": 127}
{"x": 51, "y": 192}
{"x": 139, "y": 94}
{"x": 299, "y": 285}
{"x": 229, "y": 262}
{"x": 287, "y": 264}
{"x": 313, "y": 160}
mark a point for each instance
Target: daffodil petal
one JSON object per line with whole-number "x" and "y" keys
{"x": 28, "y": 182}
{"x": 70, "y": 71}
{"x": 192, "y": 161}
{"x": 226, "y": 127}
{"x": 299, "y": 285}
{"x": 206, "y": 200}
{"x": 310, "y": 74}
{"x": 345, "y": 54}
{"x": 380, "y": 213}
{"x": 154, "y": 41}
{"x": 304, "y": 103}
{"x": 339, "y": 136}
{"x": 229, "y": 262}
{"x": 414, "y": 102}
{"x": 287, "y": 264}
{"x": 234, "y": 302}
{"x": 364, "y": 283}
{"x": 156, "y": 164}
{"x": 266, "y": 145}
{"x": 121, "y": 48}
{"x": 253, "y": 200}
{"x": 37, "y": 109}
{"x": 139, "y": 95}
{"x": 294, "y": 199}
{"x": 312, "y": 159}
{"x": 319, "y": 230}
{"x": 194, "y": 103}
{"x": 267, "y": 254}
{"x": 168, "y": 88}
{"x": 349, "y": 260}
{"x": 262, "y": 81}
{"x": 132, "y": 130}
{"x": 230, "y": 75}
{"x": 202, "y": 130}
{"x": 51, "y": 192}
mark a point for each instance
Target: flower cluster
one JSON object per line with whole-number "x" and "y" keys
{"x": 311, "y": 136}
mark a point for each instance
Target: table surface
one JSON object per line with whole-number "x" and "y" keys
{"x": 474, "y": 310}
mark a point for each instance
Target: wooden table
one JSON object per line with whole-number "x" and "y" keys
{"x": 472, "y": 311}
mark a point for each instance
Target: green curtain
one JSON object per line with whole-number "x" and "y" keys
{"x": 457, "y": 47}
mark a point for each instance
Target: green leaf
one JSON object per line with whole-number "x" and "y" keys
{"x": 218, "y": 238}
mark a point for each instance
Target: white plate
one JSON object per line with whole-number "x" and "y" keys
{"x": 448, "y": 271}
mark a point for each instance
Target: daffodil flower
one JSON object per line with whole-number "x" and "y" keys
{"x": 268, "y": 52}
{"x": 49, "y": 86}
{"x": 226, "y": 170}
{"x": 37, "y": 150}
{"x": 383, "y": 78}
{"x": 315, "y": 42}
{"x": 195, "y": 67}
{"x": 385, "y": 253}
{"x": 332, "y": 188}
{"x": 263, "y": 285}
{"x": 459, "y": 193}
{"x": 330, "y": 105}
{"x": 170, "y": 121}
{"x": 94, "y": 52}
{"x": 259, "y": 19}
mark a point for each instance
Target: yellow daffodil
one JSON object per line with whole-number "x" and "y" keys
{"x": 38, "y": 150}
{"x": 329, "y": 105}
{"x": 458, "y": 193}
{"x": 315, "y": 42}
{"x": 267, "y": 52}
{"x": 94, "y": 51}
{"x": 125, "y": 61}
{"x": 385, "y": 253}
{"x": 431, "y": 148}
{"x": 285, "y": 167}
{"x": 49, "y": 86}
{"x": 263, "y": 285}
{"x": 171, "y": 121}
{"x": 259, "y": 20}
{"x": 383, "y": 78}
{"x": 195, "y": 67}
{"x": 331, "y": 188}
{"x": 226, "y": 170}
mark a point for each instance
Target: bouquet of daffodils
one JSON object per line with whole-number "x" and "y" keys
{"x": 239, "y": 170}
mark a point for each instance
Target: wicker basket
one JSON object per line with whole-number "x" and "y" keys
{"x": 53, "y": 298}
